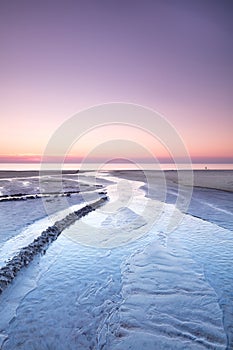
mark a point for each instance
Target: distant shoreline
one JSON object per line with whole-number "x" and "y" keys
{"x": 113, "y": 166}
{"x": 202, "y": 178}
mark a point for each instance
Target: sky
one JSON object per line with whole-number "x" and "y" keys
{"x": 60, "y": 57}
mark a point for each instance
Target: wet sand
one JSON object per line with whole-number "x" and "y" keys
{"x": 215, "y": 179}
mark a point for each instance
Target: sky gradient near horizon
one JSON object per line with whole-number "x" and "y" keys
{"x": 60, "y": 57}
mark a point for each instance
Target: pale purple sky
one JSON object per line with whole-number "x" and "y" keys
{"x": 58, "y": 57}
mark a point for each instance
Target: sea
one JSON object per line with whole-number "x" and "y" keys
{"x": 138, "y": 273}
{"x": 118, "y": 166}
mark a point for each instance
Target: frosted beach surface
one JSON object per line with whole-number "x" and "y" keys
{"x": 116, "y": 279}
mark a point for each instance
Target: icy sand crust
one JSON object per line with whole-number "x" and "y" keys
{"x": 167, "y": 304}
{"x": 30, "y": 173}
{"x": 20, "y": 197}
{"x": 41, "y": 243}
{"x": 25, "y": 187}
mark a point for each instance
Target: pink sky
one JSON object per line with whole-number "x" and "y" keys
{"x": 58, "y": 58}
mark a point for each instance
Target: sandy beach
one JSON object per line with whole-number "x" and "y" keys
{"x": 116, "y": 278}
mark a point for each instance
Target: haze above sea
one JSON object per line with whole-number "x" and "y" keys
{"x": 116, "y": 166}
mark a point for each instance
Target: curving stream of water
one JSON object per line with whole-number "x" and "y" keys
{"x": 116, "y": 280}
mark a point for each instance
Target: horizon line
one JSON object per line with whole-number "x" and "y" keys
{"x": 194, "y": 161}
